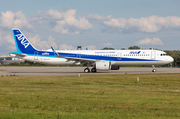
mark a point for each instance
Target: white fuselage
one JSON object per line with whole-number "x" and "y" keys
{"x": 99, "y": 59}
{"x": 116, "y": 57}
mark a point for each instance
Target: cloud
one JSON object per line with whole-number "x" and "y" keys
{"x": 1, "y": 40}
{"x": 66, "y": 7}
{"x": 97, "y": 17}
{"x": 7, "y": 19}
{"x": 67, "y": 23}
{"x": 65, "y": 46}
{"x": 147, "y": 41}
{"x": 9, "y": 39}
{"x": 63, "y": 22}
{"x": 10, "y": 20}
{"x": 90, "y": 47}
{"x": 38, "y": 18}
{"x": 107, "y": 44}
{"x": 53, "y": 14}
{"x": 51, "y": 42}
{"x": 36, "y": 41}
{"x": 70, "y": 25}
{"x": 151, "y": 24}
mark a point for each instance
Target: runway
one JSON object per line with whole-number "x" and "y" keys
{"x": 76, "y": 70}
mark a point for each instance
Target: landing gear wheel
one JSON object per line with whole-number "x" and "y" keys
{"x": 86, "y": 70}
{"x": 93, "y": 70}
{"x": 154, "y": 70}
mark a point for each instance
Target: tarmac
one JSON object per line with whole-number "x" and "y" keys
{"x": 77, "y": 70}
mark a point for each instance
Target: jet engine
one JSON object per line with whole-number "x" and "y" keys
{"x": 115, "y": 67}
{"x": 103, "y": 65}
{"x": 106, "y": 65}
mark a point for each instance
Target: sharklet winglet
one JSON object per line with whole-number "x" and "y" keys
{"x": 55, "y": 53}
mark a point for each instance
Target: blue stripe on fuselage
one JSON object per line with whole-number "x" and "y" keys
{"x": 86, "y": 56}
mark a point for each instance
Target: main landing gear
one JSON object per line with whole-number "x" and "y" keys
{"x": 154, "y": 70}
{"x": 93, "y": 70}
{"x": 87, "y": 70}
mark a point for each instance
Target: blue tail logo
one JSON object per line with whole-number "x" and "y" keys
{"x": 23, "y": 40}
{"x": 22, "y": 43}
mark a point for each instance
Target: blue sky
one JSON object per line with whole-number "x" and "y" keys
{"x": 91, "y": 23}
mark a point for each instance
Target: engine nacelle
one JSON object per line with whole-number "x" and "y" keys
{"x": 103, "y": 65}
{"x": 115, "y": 67}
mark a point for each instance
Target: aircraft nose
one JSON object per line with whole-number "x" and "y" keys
{"x": 171, "y": 59}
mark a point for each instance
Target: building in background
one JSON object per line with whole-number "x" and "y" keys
{"x": 9, "y": 59}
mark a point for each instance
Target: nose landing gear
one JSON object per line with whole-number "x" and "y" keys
{"x": 154, "y": 70}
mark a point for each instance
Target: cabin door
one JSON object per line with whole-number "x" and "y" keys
{"x": 153, "y": 54}
{"x": 119, "y": 55}
{"x": 36, "y": 55}
{"x": 78, "y": 55}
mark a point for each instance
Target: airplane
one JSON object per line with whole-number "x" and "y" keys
{"x": 99, "y": 59}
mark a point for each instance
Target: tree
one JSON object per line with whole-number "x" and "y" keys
{"x": 134, "y": 47}
{"x": 153, "y": 49}
{"x": 176, "y": 55}
{"x": 106, "y": 48}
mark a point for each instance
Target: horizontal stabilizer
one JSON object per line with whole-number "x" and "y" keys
{"x": 17, "y": 55}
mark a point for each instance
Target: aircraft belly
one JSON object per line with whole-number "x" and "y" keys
{"x": 48, "y": 60}
{"x": 55, "y": 61}
{"x": 140, "y": 63}
{"x": 28, "y": 58}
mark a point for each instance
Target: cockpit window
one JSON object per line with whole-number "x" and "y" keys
{"x": 164, "y": 54}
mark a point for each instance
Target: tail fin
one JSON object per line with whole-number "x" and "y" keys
{"x": 22, "y": 43}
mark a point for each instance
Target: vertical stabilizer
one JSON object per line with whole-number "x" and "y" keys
{"x": 22, "y": 43}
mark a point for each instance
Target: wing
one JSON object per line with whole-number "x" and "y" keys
{"x": 82, "y": 61}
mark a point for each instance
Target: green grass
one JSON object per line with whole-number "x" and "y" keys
{"x": 90, "y": 96}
